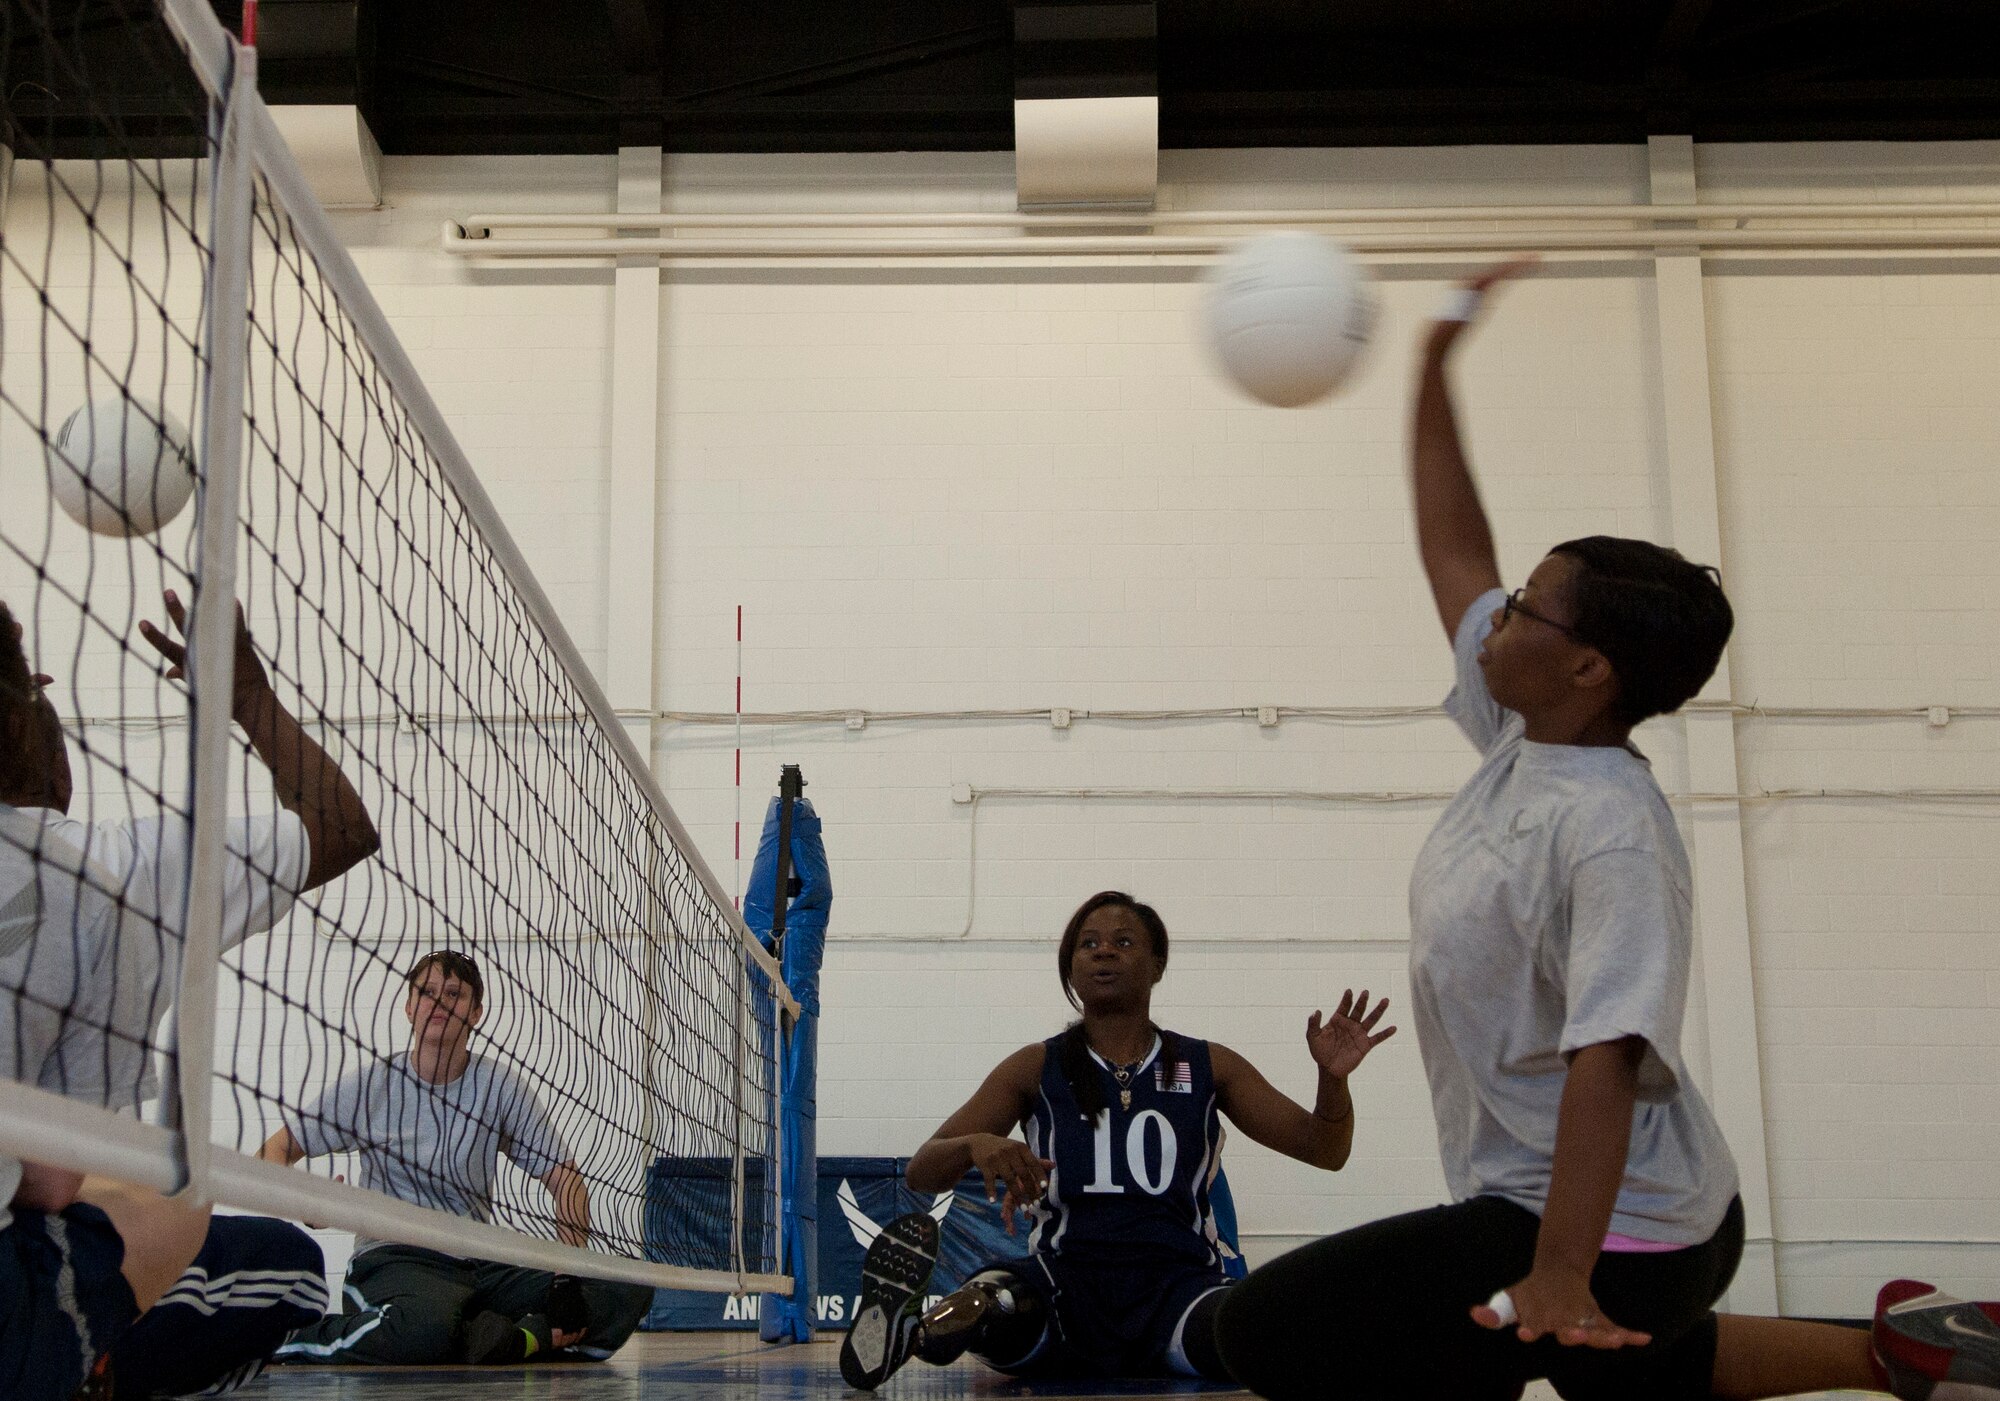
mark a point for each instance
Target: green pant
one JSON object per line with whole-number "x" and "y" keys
{"x": 406, "y": 1307}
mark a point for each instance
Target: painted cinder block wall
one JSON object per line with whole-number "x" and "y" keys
{"x": 1020, "y": 486}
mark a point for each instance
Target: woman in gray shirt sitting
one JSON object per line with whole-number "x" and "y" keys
{"x": 1594, "y": 1218}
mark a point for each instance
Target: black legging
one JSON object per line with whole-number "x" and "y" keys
{"x": 1382, "y": 1311}
{"x": 1198, "y": 1337}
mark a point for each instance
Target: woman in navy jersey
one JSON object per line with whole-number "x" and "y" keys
{"x": 1122, "y": 1271}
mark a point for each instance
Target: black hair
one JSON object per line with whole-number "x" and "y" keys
{"x": 1659, "y": 619}
{"x": 1073, "y": 1052}
{"x": 17, "y": 709}
{"x": 456, "y": 965}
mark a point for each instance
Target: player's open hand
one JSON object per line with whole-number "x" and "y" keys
{"x": 253, "y": 683}
{"x": 1015, "y": 1177}
{"x": 1471, "y": 298}
{"x": 1555, "y": 1303}
{"x": 1340, "y": 1043}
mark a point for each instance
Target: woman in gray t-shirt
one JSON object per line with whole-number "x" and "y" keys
{"x": 1594, "y": 1220}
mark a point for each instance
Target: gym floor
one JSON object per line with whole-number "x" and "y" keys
{"x": 693, "y": 1367}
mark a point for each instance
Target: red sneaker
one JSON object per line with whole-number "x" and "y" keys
{"x": 1928, "y": 1346}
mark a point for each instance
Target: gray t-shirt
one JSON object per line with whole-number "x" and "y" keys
{"x": 436, "y": 1145}
{"x": 1549, "y": 911}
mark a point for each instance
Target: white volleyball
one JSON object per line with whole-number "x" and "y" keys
{"x": 122, "y": 467}
{"x": 1288, "y": 315}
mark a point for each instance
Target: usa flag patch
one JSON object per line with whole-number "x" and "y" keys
{"x": 1182, "y": 1082}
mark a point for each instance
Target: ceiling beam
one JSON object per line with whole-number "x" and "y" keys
{"x": 641, "y": 83}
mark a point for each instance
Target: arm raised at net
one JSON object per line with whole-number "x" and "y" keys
{"x": 338, "y": 828}
{"x": 1454, "y": 538}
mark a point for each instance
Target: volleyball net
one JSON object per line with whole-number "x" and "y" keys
{"x": 397, "y": 751}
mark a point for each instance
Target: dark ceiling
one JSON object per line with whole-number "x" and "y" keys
{"x": 521, "y": 76}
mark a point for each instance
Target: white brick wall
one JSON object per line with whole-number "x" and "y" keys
{"x": 1016, "y": 486}
{"x": 1856, "y": 438}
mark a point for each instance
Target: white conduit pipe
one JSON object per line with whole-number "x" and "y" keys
{"x": 479, "y": 225}
{"x": 1144, "y": 245}
{"x": 1357, "y": 796}
{"x": 878, "y": 234}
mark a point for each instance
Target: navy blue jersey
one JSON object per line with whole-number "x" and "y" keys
{"x": 1134, "y": 1184}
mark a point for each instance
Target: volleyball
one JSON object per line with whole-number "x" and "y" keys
{"x": 1288, "y": 315}
{"x": 122, "y": 467}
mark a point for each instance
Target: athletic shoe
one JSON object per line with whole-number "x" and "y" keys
{"x": 1928, "y": 1346}
{"x": 894, "y": 1274}
{"x": 495, "y": 1340}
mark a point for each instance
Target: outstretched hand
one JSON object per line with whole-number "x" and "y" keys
{"x": 252, "y": 684}
{"x": 1474, "y": 290}
{"x": 1342, "y": 1041}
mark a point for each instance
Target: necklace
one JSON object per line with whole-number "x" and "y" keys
{"x": 1123, "y": 1075}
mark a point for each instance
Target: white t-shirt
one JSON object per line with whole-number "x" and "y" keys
{"x": 118, "y": 889}
{"x": 59, "y": 933}
{"x": 437, "y": 1145}
{"x": 1550, "y": 909}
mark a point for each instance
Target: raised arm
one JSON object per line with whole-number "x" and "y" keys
{"x": 1325, "y": 1136}
{"x": 308, "y": 782}
{"x": 1454, "y": 539}
{"x": 979, "y": 1136}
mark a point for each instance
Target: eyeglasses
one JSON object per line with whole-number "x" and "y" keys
{"x": 1514, "y": 605}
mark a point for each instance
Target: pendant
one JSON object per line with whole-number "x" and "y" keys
{"x": 1124, "y": 1099}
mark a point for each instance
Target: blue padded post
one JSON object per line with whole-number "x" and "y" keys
{"x": 800, "y": 942}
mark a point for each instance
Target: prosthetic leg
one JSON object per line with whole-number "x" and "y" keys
{"x": 992, "y": 1315}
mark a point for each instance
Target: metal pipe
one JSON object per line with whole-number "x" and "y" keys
{"x": 43, "y": 1127}
{"x": 211, "y": 650}
{"x": 266, "y": 1187}
{"x": 477, "y": 225}
{"x": 455, "y": 241}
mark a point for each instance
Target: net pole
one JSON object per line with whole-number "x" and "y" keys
{"x": 740, "y": 1215}
{"x": 773, "y": 1207}
{"x": 209, "y": 48}
{"x": 211, "y": 654}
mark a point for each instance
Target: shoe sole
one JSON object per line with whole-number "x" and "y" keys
{"x": 1936, "y": 1323}
{"x": 895, "y": 1271}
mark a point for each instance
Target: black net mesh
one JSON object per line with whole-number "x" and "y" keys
{"x": 413, "y": 767}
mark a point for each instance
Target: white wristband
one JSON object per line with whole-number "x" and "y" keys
{"x": 1461, "y": 305}
{"x": 1502, "y": 1302}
